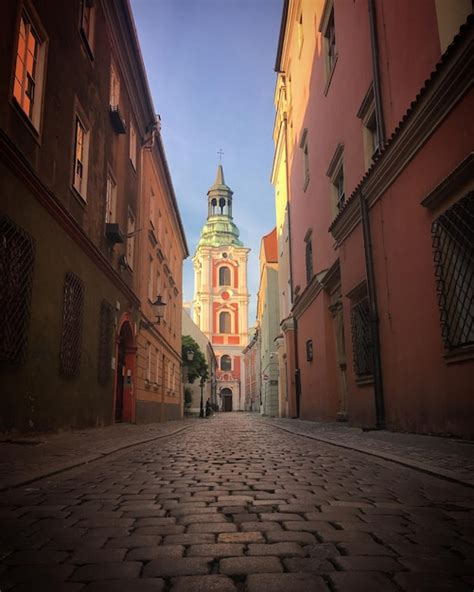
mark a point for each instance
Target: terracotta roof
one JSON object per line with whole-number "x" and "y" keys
{"x": 270, "y": 246}
{"x": 445, "y": 58}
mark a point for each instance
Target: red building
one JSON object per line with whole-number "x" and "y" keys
{"x": 376, "y": 112}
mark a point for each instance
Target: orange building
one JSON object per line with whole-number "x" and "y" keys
{"x": 80, "y": 154}
{"x": 220, "y": 305}
{"x": 374, "y": 142}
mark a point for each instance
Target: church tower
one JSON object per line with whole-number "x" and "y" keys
{"x": 220, "y": 305}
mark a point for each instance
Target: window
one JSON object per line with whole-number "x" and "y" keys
{"x": 29, "y": 70}
{"x": 330, "y": 36}
{"x": 130, "y": 239}
{"x": 336, "y": 174}
{"x": 87, "y": 24}
{"x": 73, "y": 308}
{"x": 133, "y": 146}
{"x": 110, "y": 200}
{"x": 453, "y": 239}
{"x": 151, "y": 271}
{"x": 157, "y": 368}
{"x": 328, "y": 30}
{"x": 304, "y": 147}
{"x": 226, "y": 363}
{"x": 152, "y": 208}
{"x": 309, "y": 256}
{"x": 224, "y": 276}
{"x": 114, "y": 87}
{"x": 81, "y": 156}
{"x": 148, "y": 361}
{"x": 300, "y": 33}
{"x": 362, "y": 348}
{"x": 17, "y": 258}
{"x": 225, "y": 322}
{"x": 369, "y": 126}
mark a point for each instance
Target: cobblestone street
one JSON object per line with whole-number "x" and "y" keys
{"x": 234, "y": 504}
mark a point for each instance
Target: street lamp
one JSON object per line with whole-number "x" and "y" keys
{"x": 201, "y": 384}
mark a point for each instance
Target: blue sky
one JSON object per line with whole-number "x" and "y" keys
{"x": 210, "y": 69}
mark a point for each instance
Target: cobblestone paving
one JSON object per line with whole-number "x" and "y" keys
{"x": 446, "y": 456}
{"x": 233, "y": 504}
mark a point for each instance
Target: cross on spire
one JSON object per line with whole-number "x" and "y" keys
{"x": 220, "y": 153}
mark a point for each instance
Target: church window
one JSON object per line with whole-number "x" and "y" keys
{"x": 222, "y": 205}
{"x": 225, "y": 322}
{"x": 226, "y": 363}
{"x": 224, "y": 276}
{"x": 213, "y": 207}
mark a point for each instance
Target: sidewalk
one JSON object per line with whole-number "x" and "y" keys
{"x": 448, "y": 458}
{"x": 26, "y": 458}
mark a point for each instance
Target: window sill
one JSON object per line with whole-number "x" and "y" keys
{"x": 461, "y": 354}
{"x": 364, "y": 380}
{"x": 329, "y": 76}
{"x": 81, "y": 200}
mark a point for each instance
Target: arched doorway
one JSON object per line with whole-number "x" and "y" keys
{"x": 124, "y": 408}
{"x": 226, "y": 395}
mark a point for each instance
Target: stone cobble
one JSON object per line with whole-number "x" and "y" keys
{"x": 232, "y": 504}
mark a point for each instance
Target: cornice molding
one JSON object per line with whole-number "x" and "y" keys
{"x": 23, "y": 170}
{"x": 450, "y": 82}
{"x": 308, "y": 295}
{"x": 463, "y": 173}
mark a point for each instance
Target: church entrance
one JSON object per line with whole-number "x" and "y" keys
{"x": 226, "y": 395}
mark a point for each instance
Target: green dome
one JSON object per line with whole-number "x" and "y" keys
{"x": 219, "y": 231}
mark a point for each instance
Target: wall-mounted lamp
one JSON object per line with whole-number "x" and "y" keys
{"x": 158, "y": 307}
{"x": 190, "y": 355}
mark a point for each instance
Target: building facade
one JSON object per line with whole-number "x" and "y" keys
{"x": 252, "y": 371}
{"x": 268, "y": 315}
{"x": 72, "y": 174}
{"x": 190, "y": 328}
{"x": 382, "y": 301}
{"x": 220, "y": 305}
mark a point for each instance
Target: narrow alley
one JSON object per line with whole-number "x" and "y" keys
{"x": 233, "y": 503}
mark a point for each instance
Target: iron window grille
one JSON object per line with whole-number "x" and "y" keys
{"x": 453, "y": 239}
{"x": 362, "y": 346}
{"x": 106, "y": 325}
{"x": 73, "y": 309}
{"x": 17, "y": 258}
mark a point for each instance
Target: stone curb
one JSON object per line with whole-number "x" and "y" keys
{"x": 412, "y": 464}
{"x": 86, "y": 460}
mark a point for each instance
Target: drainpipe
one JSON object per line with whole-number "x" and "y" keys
{"x": 376, "y": 75}
{"x": 374, "y": 317}
{"x": 297, "y": 377}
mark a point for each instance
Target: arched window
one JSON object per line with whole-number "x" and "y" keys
{"x": 213, "y": 206}
{"x": 225, "y": 322}
{"x": 226, "y": 363}
{"x": 224, "y": 276}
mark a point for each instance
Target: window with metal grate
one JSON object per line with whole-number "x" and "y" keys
{"x": 106, "y": 326}
{"x": 17, "y": 258}
{"x": 361, "y": 338}
{"x": 71, "y": 338}
{"x": 453, "y": 253}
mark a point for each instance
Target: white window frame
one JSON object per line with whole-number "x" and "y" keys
{"x": 335, "y": 172}
{"x": 114, "y": 91}
{"x": 81, "y": 161}
{"x": 28, "y": 82}
{"x": 305, "y": 150}
{"x": 110, "y": 200}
